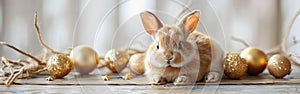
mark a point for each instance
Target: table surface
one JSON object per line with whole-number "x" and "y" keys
{"x": 93, "y": 83}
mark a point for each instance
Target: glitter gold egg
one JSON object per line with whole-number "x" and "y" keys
{"x": 59, "y": 65}
{"x": 116, "y": 60}
{"x": 235, "y": 67}
{"x": 136, "y": 63}
{"x": 85, "y": 59}
{"x": 256, "y": 59}
{"x": 279, "y": 66}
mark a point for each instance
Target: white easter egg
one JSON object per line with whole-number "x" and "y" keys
{"x": 85, "y": 59}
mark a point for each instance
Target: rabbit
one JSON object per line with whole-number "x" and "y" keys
{"x": 180, "y": 55}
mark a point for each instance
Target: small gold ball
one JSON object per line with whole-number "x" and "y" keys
{"x": 257, "y": 60}
{"x": 106, "y": 77}
{"x": 116, "y": 60}
{"x": 59, "y": 65}
{"x": 85, "y": 59}
{"x": 235, "y": 67}
{"x": 50, "y": 78}
{"x": 279, "y": 66}
{"x": 136, "y": 63}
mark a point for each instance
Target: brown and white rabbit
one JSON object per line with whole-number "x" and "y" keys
{"x": 180, "y": 55}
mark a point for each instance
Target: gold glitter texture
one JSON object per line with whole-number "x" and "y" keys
{"x": 59, "y": 65}
{"x": 235, "y": 67}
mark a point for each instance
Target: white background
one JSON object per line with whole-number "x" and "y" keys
{"x": 68, "y": 23}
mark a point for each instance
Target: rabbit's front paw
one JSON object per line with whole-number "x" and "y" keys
{"x": 181, "y": 80}
{"x": 212, "y": 77}
{"x": 157, "y": 80}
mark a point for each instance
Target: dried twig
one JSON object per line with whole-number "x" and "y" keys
{"x": 22, "y": 52}
{"x": 13, "y": 77}
{"x": 29, "y": 68}
{"x": 274, "y": 50}
{"x": 40, "y": 37}
{"x": 245, "y": 43}
{"x": 284, "y": 39}
{"x": 42, "y": 69}
{"x": 6, "y": 64}
{"x": 15, "y": 63}
{"x": 2, "y": 68}
{"x": 44, "y": 54}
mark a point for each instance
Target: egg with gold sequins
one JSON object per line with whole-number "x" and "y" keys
{"x": 59, "y": 65}
{"x": 235, "y": 67}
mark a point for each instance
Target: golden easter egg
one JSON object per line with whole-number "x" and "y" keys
{"x": 136, "y": 63}
{"x": 116, "y": 60}
{"x": 85, "y": 59}
{"x": 279, "y": 66}
{"x": 59, "y": 65}
{"x": 235, "y": 67}
{"x": 256, "y": 59}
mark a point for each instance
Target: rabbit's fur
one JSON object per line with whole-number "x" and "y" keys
{"x": 180, "y": 55}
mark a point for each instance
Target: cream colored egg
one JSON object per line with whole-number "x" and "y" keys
{"x": 85, "y": 59}
{"x": 116, "y": 59}
{"x": 136, "y": 63}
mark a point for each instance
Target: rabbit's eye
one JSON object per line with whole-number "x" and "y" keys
{"x": 157, "y": 45}
{"x": 179, "y": 45}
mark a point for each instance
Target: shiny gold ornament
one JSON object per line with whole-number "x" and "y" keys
{"x": 59, "y": 65}
{"x": 235, "y": 67}
{"x": 136, "y": 63}
{"x": 106, "y": 77}
{"x": 50, "y": 78}
{"x": 85, "y": 59}
{"x": 116, "y": 60}
{"x": 279, "y": 66}
{"x": 257, "y": 60}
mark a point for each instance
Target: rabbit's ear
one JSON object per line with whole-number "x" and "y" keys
{"x": 190, "y": 21}
{"x": 150, "y": 21}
